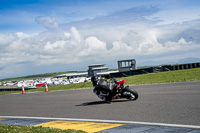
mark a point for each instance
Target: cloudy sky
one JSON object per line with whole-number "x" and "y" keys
{"x": 41, "y": 36}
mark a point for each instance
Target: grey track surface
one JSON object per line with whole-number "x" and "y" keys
{"x": 176, "y": 103}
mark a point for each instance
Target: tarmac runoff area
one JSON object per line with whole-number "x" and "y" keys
{"x": 92, "y": 125}
{"x": 158, "y": 106}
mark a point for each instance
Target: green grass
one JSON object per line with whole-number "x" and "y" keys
{"x": 164, "y": 77}
{"x": 152, "y": 78}
{"x": 71, "y": 86}
{"x": 9, "y": 92}
{"x": 31, "y": 129}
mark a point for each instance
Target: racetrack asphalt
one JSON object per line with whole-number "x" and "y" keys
{"x": 174, "y": 103}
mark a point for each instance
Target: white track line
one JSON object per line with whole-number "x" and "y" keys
{"x": 106, "y": 121}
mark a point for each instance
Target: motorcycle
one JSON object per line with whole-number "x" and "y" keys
{"x": 112, "y": 90}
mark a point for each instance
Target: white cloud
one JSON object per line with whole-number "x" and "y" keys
{"x": 99, "y": 40}
{"x": 175, "y": 16}
{"x": 67, "y": 35}
{"x": 94, "y": 43}
{"x": 48, "y": 22}
{"x": 69, "y": 46}
{"x": 6, "y": 39}
{"x": 58, "y": 45}
{"x": 121, "y": 48}
{"x": 181, "y": 44}
{"x": 93, "y": 46}
{"x": 75, "y": 34}
{"x": 22, "y": 35}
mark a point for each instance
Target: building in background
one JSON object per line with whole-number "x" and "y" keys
{"x": 98, "y": 68}
{"x": 126, "y": 65}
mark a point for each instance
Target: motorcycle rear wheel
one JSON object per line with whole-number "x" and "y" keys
{"x": 130, "y": 94}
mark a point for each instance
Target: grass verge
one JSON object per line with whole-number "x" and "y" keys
{"x": 31, "y": 129}
{"x": 164, "y": 77}
{"x": 151, "y": 78}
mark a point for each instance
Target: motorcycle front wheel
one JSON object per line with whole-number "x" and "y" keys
{"x": 130, "y": 94}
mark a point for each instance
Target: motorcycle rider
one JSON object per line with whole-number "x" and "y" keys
{"x": 94, "y": 81}
{"x": 112, "y": 89}
{"x": 103, "y": 85}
